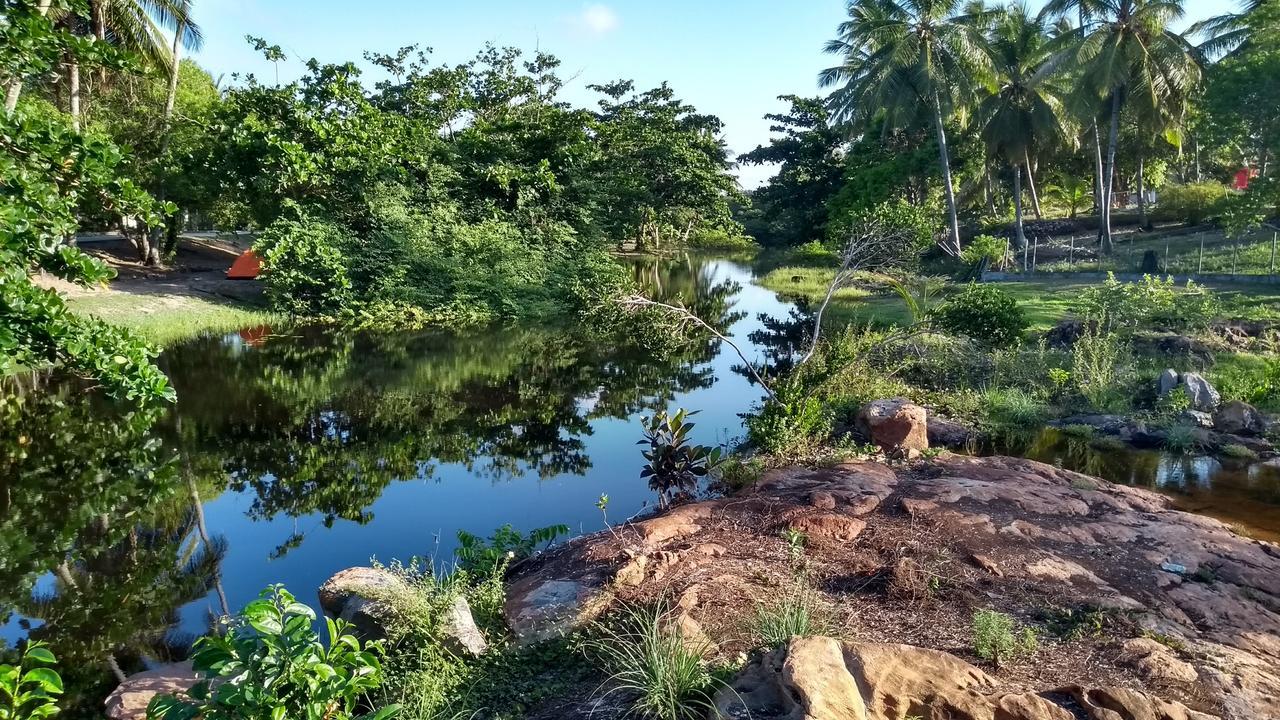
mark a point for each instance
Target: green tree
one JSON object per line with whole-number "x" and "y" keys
{"x": 1022, "y": 110}
{"x": 1126, "y": 53}
{"x": 909, "y": 59}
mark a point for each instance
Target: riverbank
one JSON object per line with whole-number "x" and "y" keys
{"x": 188, "y": 297}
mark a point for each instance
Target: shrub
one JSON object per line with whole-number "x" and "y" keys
{"x": 985, "y": 246}
{"x": 29, "y": 690}
{"x": 791, "y": 422}
{"x": 1180, "y": 439}
{"x": 1080, "y": 432}
{"x": 269, "y": 663}
{"x": 735, "y": 473}
{"x": 995, "y": 640}
{"x": 675, "y": 465}
{"x": 650, "y": 659}
{"x": 985, "y": 313}
{"x": 799, "y": 614}
{"x": 1192, "y": 203}
{"x": 483, "y": 557}
{"x": 1255, "y": 379}
{"x": 1239, "y": 452}
{"x": 1174, "y": 402}
{"x": 720, "y": 239}
{"x": 1100, "y": 365}
{"x": 1129, "y": 305}
{"x": 302, "y": 267}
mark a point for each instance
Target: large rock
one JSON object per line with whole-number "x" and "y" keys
{"x": 1204, "y": 396}
{"x": 129, "y": 701}
{"x": 458, "y": 631}
{"x": 539, "y": 608}
{"x": 819, "y": 678}
{"x": 895, "y": 425}
{"x": 949, "y": 433}
{"x": 1239, "y": 418}
{"x": 1167, "y": 381}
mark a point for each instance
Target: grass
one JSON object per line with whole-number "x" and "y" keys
{"x": 662, "y": 672}
{"x": 995, "y": 639}
{"x": 164, "y": 321}
{"x": 797, "y": 615}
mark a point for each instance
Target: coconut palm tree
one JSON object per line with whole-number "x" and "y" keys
{"x": 1022, "y": 110}
{"x": 14, "y": 90}
{"x": 1126, "y": 53}
{"x": 911, "y": 60}
{"x": 1226, "y": 32}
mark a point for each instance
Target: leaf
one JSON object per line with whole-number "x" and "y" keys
{"x": 46, "y": 678}
{"x": 41, "y": 654}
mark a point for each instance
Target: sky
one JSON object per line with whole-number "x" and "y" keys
{"x": 730, "y": 59}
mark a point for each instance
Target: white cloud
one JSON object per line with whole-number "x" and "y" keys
{"x": 597, "y": 19}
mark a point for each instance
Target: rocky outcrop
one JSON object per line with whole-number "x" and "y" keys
{"x": 129, "y": 701}
{"x": 913, "y": 550}
{"x": 896, "y": 426}
{"x": 819, "y": 678}
{"x": 1239, "y": 418}
{"x": 363, "y": 596}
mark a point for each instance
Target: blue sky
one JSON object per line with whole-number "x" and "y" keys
{"x": 731, "y": 59}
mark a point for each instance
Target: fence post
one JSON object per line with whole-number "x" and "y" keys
{"x": 1166, "y": 257}
{"x": 1071, "y": 255}
{"x": 1035, "y": 247}
{"x": 1235, "y": 247}
{"x": 1200, "y": 262}
{"x": 1274, "y": 235}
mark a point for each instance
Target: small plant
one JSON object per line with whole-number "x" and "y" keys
{"x": 799, "y": 614}
{"x": 505, "y": 546}
{"x": 1168, "y": 641}
{"x": 1012, "y": 408}
{"x": 1174, "y": 403}
{"x": 269, "y": 663}
{"x": 795, "y": 541}
{"x": 674, "y": 465}
{"x": 1058, "y": 378}
{"x": 995, "y": 639}
{"x": 985, "y": 313}
{"x": 1100, "y": 362}
{"x": 1077, "y": 623}
{"x": 1180, "y": 439}
{"x": 735, "y": 473}
{"x": 1080, "y": 432}
{"x": 1238, "y": 452}
{"x": 650, "y": 659}
{"x": 1084, "y": 484}
{"x": 29, "y": 690}
{"x": 985, "y": 246}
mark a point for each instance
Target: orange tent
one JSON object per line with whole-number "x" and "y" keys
{"x": 246, "y": 267}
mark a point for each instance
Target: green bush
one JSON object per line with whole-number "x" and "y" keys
{"x": 1101, "y": 366}
{"x": 269, "y": 663}
{"x": 1180, "y": 439}
{"x": 303, "y": 267}
{"x": 985, "y": 246}
{"x": 506, "y": 545}
{"x": 1192, "y": 203}
{"x": 1151, "y": 301}
{"x": 720, "y": 239}
{"x": 1175, "y": 402}
{"x": 649, "y": 659}
{"x": 995, "y": 639}
{"x": 1255, "y": 379}
{"x": 1237, "y": 451}
{"x": 30, "y": 689}
{"x": 985, "y": 313}
{"x": 791, "y": 423}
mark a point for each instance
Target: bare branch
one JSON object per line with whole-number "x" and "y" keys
{"x": 685, "y": 316}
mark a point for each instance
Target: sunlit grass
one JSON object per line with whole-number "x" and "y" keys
{"x": 163, "y": 321}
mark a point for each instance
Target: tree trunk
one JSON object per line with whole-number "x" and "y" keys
{"x": 173, "y": 84}
{"x": 1097, "y": 170}
{"x": 1020, "y": 237}
{"x": 1142, "y": 191}
{"x": 98, "y": 13}
{"x": 73, "y": 93}
{"x": 1031, "y": 184}
{"x": 1108, "y": 176}
{"x": 953, "y": 242}
{"x": 14, "y": 91}
{"x": 987, "y": 192}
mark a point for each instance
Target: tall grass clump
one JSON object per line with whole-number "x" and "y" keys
{"x": 1012, "y": 408}
{"x": 1100, "y": 365}
{"x": 799, "y": 614}
{"x": 664, "y": 674}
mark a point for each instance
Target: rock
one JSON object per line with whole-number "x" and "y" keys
{"x": 632, "y": 573}
{"x": 1167, "y": 381}
{"x": 819, "y": 678}
{"x": 828, "y": 525}
{"x": 1196, "y": 418}
{"x": 346, "y": 584}
{"x": 896, "y": 424}
{"x": 458, "y": 631}
{"x": 1204, "y": 396}
{"x": 1182, "y": 346}
{"x": 541, "y": 609}
{"x": 129, "y": 700}
{"x": 948, "y": 433}
{"x": 986, "y": 563}
{"x": 1155, "y": 661}
{"x": 1105, "y": 424}
{"x": 1239, "y": 418}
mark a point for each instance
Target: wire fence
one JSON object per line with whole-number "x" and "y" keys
{"x": 1206, "y": 252}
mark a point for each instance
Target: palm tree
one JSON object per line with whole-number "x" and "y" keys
{"x": 14, "y": 91}
{"x": 1022, "y": 110}
{"x": 1226, "y": 32}
{"x": 909, "y": 59}
{"x": 1126, "y": 53}
{"x": 1073, "y": 192}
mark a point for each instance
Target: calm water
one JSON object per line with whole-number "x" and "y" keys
{"x": 290, "y": 456}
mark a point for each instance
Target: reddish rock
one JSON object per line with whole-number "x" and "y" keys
{"x": 129, "y": 701}
{"x": 895, "y": 425}
{"x": 831, "y": 526}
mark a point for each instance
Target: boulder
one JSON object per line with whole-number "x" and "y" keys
{"x": 359, "y": 596}
{"x": 458, "y": 631}
{"x": 1204, "y": 396}
{"x": 819, "y": 678}
{"x": 895, "y": 425}
{"x": 1239, "y": 418}
{"x": 948, "y": 433}
{"x": 539, "y": 608}
{"x": 1167, "y": 381}
{"x": 129, "y": 701}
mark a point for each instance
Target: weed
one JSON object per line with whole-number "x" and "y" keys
{"x": 795, "y": 541}
{"x": 1084, "y": 484}
{"x": 799, "y": 614}
{"x": 1237, "y": 451}
{"x": 735, "y": 473}
{"x": 1180, "y": 439}
{"x": 506, "y": 545}
{"x": 1012, "y": 408}
{"x": 1174, "y": 403}
{"x": 1168, "y": 641}
{"x": 1082, "y": 432}
{"x": 1205, "y": 573}
{"x": 650, "y": 660}
{"x": 995, "y": 639}
{"x": 1076, "y": 623}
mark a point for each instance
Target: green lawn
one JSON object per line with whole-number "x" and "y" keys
{"x": 1046, "y": 301}
{"x": 167, "y": 319}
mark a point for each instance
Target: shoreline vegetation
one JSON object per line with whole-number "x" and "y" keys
{"x": 836, "y": 561}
